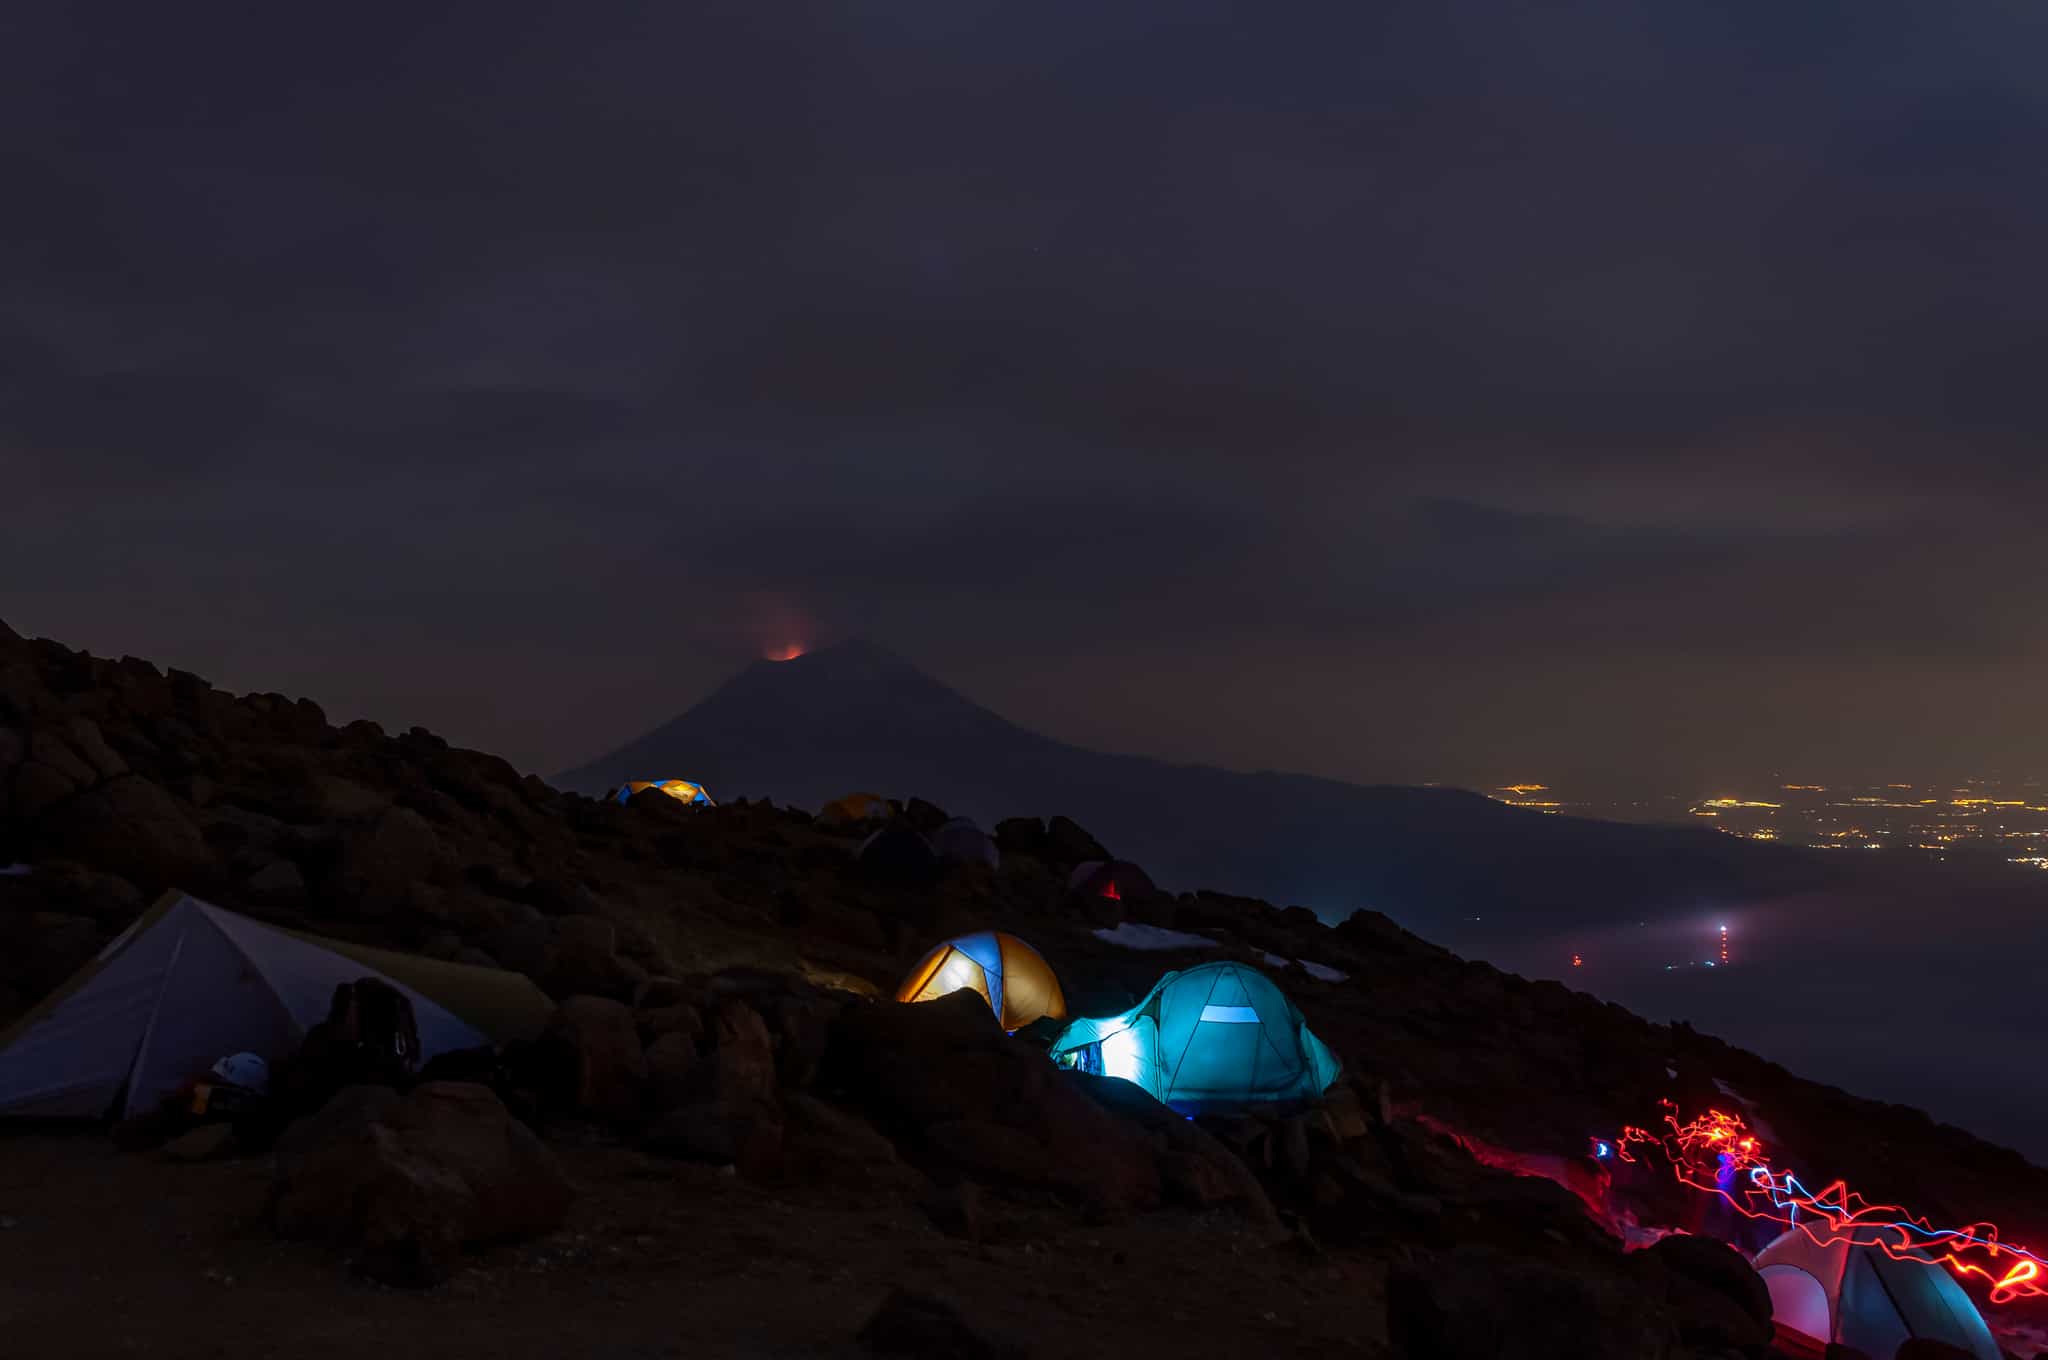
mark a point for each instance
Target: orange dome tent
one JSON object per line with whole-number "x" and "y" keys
{"x": 1010, "y": 975}
{"x": 682, "y": 790}
{"x": 853, "y": 809}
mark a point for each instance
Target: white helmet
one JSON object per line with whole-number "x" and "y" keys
{"x": 245, "y": 1070}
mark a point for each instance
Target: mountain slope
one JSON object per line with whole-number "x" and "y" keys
{"x": 855, "y": 716}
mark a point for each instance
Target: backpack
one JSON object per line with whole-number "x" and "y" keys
{"x": 386, "y": 1034}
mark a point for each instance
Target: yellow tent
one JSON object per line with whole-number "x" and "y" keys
{"x": 854, "y": 808}
{"x": 1010, "y": 975}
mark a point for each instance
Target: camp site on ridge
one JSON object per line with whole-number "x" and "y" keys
{"x": 631, "y": 1031}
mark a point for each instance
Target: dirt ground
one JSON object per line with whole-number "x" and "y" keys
{"x": 105, "y": 1253}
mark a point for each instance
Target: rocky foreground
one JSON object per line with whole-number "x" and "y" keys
{"x": 726, "y": 1144}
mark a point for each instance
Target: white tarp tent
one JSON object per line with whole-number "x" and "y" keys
{"x": 1861, "y": 1296}
{"x": 189, "y": 983}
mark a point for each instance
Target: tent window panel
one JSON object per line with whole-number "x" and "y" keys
{"x": 1798, "y": 1300}
{"x": 957, "y": 973}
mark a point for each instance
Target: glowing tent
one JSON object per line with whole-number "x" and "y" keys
{"x": 682, "y": 790}
{"x": 1217, "y": 1036}
{"x": 189, "y": 982}
{"x": 1861, "y": 1296}
{"x": 1010, "y": 975}
{"x": 960, "y": 841}
{"x": 854, "y": 809}
{"x": 1119, "y": 880}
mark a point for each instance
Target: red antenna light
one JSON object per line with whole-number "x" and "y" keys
{"x": 1724, "y": 946}
{"x": 1577, "y": 962}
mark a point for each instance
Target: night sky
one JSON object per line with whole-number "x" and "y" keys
{"x": 1395, "y": 390}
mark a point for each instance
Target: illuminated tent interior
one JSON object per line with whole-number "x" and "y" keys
{"x": 854, "y": 808}
{"x": 189, "y": 983}
{"x": 1861, "y": 1297}
{"x": 960, "y": 841}
{"x": 682, "y": 790}
{"x": 1117, "y": 879}
{"x": 1010, "y": 975}
{"x": 1218, "y": 1036}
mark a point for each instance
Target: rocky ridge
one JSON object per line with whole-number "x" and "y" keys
{"x": 718, "y": 971}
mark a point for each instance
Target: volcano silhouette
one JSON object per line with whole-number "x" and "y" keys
{"x": 856, "y": 716}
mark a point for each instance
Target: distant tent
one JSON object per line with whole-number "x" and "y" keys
{"x": 189, "y": 982}
{"x": 682, "y": 790}
{"x": 854, "y": 809}
{"x": 1010, "y": 975}
{"x": 1865, "y": 1298}
{"x": 897, "y": 851}
{"x": 1119, "y": 880}
{"x": 1216, "y": 1036}
{"x": 960, "y": 841}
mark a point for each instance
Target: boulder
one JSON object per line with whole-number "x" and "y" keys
{"x": 1475, "y": 1304}
{"x": 681, "y": 1018}
{"x": 521, "y": 945}
{"x": 378, "y": 861}
{"x": 414, "y": 1178}
{"x": 49, "y": 746}
{"x": 583, "y": 957}
{"x": 346, "y": 800}
{"x": 597, "y": 1035}
{"x": 957, "y": 1093}
{"x": 829, "y": 1146}
{"x": 1716, "y": 1296}
{"x": 84, "y": 736}
{"x": 128, "y": 826}
{"x": 278, "y": 881}
{"x": 202, "y": 1144}
{"x": 36, "y": 788}
{"x": 742, "y": 1054}
{"x": 919, "y": 1324}
{"x": 1195, "y": 1168}
{"x": 748, "y": 1137}
{"x": 656, "y": 993}
{"x": 925, "y": 817}
{"x": 1021, "y": 836}
{"x": 955, "y": 1209}
{"x": 674, "y": 1069}
{"x": 1067, "y": 843}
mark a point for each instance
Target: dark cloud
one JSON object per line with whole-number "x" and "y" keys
{"x": 1458, "y": 384}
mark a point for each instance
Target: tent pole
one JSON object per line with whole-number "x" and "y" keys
{"x": 149, "y": 1030}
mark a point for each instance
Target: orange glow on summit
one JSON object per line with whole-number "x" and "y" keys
{"x": 789, "y": 651}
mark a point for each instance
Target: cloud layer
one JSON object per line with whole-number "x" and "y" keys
{"x": 1413, "y": 390}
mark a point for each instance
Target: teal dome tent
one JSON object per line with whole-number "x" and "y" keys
{"x": 1212, "y": 1037}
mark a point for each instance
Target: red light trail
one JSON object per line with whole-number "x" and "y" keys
{"x": 1717, "y": 1151}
